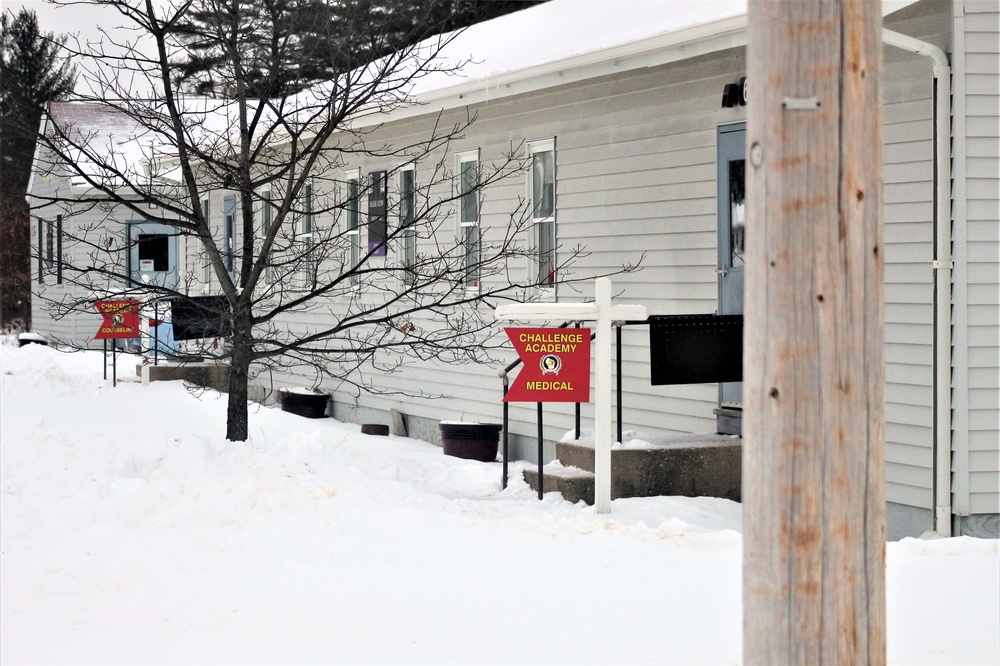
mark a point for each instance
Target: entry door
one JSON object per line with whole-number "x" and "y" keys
{"x": 732, "y": 235}
{"x": 153, "y": 255}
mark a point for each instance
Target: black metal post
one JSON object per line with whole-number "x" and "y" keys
{"x": 114, "y": 366}
{"x": 618, "y": 377}
{"x": 105, "y": 359}
{"x": 541, "y": 474}
{"x": 506, "y": 420}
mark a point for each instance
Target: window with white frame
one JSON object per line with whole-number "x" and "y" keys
{"x": 352, "y": 214}
{"x": 206, "y": 265}
{"x": 302, "y": 224}
{"x": 406, "y": 186}
{"x": 468, "y": 217}
{"x": 229, "y": 233}
{"x": 265, "y": 216}
{"x": 542, "y": 198}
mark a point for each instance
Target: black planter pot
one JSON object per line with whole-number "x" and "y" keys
{"x": 472, "y": 441}
{"x": 309, "y": 405}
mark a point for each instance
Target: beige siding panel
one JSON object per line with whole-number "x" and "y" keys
{"x": 918, "y": 457}
{"x": 984, "y": 502}
{"x": 983, "y": 440}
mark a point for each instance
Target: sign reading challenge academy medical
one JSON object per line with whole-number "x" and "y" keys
{"x": 556, "y": 365}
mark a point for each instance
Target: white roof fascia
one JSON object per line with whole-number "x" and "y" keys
{"x": 651, "y": 52}
{"x": 43, "y": 127}
{"x": 662, "y": 49}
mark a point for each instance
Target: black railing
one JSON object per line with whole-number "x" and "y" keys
{"x": 684, "y": 349}
{"x": 504, "y": 375}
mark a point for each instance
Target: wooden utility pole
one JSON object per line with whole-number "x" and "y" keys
{"x": 813, "y": 459}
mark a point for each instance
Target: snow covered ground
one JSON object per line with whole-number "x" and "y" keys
{"x": 132, "y": 532}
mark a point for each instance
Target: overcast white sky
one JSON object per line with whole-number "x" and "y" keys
{"x": 74, "y": 19}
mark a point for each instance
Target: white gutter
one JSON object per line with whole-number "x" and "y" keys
{"x": 942, "y": 266}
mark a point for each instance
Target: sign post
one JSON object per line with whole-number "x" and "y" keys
{"x": 121, "y": 321}
{"x": 603, "y": 312}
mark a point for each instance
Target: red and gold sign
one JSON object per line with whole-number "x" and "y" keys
{"x": 556, "y": 365}
{"x": 121, "y": 319}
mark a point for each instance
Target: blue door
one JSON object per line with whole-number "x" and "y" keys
{"x": 732, "y": 235}
{"x": 153, "y": 255}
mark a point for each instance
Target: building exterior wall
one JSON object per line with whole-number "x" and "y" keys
{"x": 636, "y": 177}
{"x": 976, "y": 287}
{"x": 636, "y": 167}
{"x": 78, "y": 328}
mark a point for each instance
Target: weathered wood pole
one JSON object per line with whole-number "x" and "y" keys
{"x": 813, "y": 459}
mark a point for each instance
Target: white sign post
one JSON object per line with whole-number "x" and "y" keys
{"x": 603, "y": 312}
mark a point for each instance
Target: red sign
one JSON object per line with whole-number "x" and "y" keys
{"x": 556, "y": 365}
{"x": 121, "y": 319}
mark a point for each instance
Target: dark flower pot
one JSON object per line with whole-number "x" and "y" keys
{"x": 472, "y": 441}
{"x": 377, "y": 429}
{"x": 30, "y": 339}
{"x": 309, "y": 405}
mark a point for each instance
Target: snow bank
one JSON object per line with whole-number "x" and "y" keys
{"x": 133, "y": 532}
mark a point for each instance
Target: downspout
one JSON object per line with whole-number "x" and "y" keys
{"x": 941, "y": 266}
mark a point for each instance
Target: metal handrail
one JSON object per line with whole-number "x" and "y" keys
{"x": 504, "y": 375}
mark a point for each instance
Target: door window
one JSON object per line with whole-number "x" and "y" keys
{"x": 738, "y": 212}
{"x": 154, "y": 253}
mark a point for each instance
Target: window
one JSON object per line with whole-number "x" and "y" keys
{"x": 50, "y": 256}
{"x": 302, "y": 224}
{"x": 229, "y": 233}
{"x": 541, "y": 193}
{"x": 265, "y": 216}
{"x": 206, "y": 267}
{"x": 468, "y": 217}
{"x": 59, "y": 249}
{"x": 352, "y": 210}
{"x": 154, "y": 253}
{"x": 408, "y": 232}
{"x": 49, "y": 244}
{"x": 738, "y": 212}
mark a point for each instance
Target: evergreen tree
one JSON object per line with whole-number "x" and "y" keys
{"x": 32, "y": 72}
{"x": 310, "y": 40}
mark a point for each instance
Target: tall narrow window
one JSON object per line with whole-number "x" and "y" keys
{"x": 229, "y": 233}
{"x": 408, "y": 233}
{"x": 468, "y": 217}
{"x": 542, "y": 193}
{"x": 49, "y": 244}
{"x": 40, "y": 254}
{"x": 265, "y": 216}
{"x": 59, "y": 249}
{"x": 206, "y": 265}
{"x": 303, "y": 225}
{"x": 352, "y": 210}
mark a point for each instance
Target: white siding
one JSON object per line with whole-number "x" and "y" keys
{"x": 77, "y": 328}
{"x": 636, "y": 159}
{"x": 981, "y": 203}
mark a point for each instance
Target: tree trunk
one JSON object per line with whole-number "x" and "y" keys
{"x": 813, "y": 473}
{"x": 237, "y": 427}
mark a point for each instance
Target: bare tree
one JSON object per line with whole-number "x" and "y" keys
{"x": 303, "y": 290}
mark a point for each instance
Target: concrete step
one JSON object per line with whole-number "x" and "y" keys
{"x": 708, "y": 465}
{"x": 574, "y": 484}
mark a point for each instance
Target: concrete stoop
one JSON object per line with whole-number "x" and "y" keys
{"x": 707, "y": 465}
{"x": 208, "y": 375}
